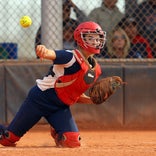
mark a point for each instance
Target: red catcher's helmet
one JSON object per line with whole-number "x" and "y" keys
{"x": 89, "y": 28}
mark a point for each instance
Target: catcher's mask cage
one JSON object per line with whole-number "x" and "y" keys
{"x": 90, "y": 28}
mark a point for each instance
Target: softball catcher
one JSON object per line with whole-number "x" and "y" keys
{"x": 53, "y": 95}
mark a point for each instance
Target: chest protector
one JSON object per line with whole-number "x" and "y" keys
{"x": 70, "y": 87}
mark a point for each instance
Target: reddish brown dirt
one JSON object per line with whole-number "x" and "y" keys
{"x": 38, "y": 142}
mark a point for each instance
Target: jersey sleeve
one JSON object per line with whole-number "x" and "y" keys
{"x": 63, "y": 56}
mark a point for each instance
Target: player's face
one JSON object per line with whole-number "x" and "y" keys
{"x": 93, "y": 40}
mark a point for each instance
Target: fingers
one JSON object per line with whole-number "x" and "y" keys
{"x": 118, "y": 81}
{"x": 41, "y": 51}
{"x": 117, "y": 78}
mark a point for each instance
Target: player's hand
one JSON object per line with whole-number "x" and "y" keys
{"x": 41, "y": 51}
{"x": 45, "y": 53}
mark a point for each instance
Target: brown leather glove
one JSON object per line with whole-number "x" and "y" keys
{"x": 104, "y": 88}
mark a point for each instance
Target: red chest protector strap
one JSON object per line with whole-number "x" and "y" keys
{"x": 70, "y": 87}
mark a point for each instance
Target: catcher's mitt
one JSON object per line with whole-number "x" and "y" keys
{"x": 104, "y": 88}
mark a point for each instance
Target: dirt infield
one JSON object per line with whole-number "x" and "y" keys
{"x": 37, "y": 142}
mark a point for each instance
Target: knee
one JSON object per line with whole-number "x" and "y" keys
{"x": 7, "y": 138}
{"x": 67, "y": 139}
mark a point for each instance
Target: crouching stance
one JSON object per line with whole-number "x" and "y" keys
{"x": 71, "y": 74}
{"x": 67, "y": 139}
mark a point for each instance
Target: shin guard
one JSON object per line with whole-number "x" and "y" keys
{"x": 67, "y": 139}
{"x": 8, "y": 138}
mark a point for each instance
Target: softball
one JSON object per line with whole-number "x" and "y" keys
{"x": 25, "y": 21}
